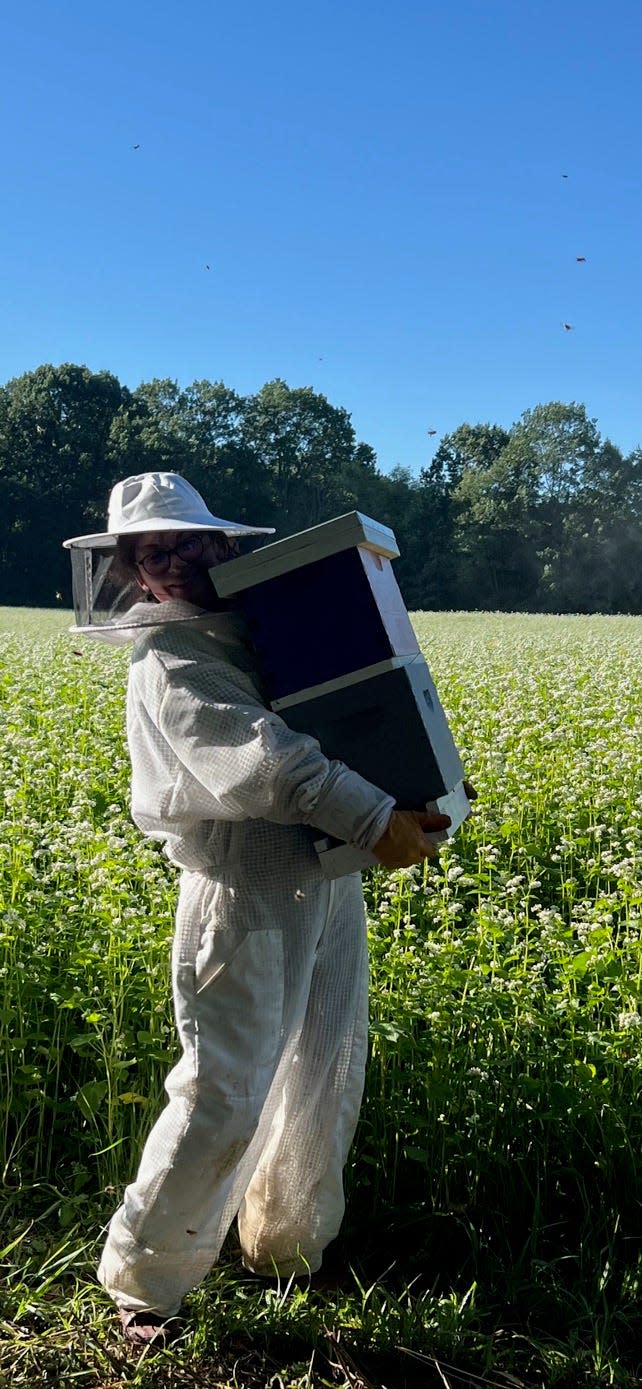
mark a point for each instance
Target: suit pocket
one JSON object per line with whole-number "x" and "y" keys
{"x": 238, "y": 1006}
{"x": 218, "y": 949}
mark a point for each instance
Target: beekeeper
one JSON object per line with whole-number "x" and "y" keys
{"x": 269, "y": 958}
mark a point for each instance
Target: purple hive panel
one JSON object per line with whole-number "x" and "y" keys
{"x": 327, "y": 619}
{"x": 391, "y": 728}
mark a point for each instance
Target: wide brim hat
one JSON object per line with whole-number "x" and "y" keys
{"x": 158, "y": 502}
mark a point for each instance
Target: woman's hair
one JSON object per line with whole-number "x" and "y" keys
{"x": 126, "y": 555}
{"x": 123, "y": 573}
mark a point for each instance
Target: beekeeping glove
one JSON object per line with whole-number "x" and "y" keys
{"x": 405, "y": 840}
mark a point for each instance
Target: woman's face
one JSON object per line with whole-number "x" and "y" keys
{"x": 169, "y": 575}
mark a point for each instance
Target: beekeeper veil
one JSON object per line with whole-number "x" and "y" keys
{"x": 107, "y": 597}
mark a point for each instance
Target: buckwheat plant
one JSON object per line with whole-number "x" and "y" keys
{"x": 503, "y": 1095}
{"x": 501, "y": 1130}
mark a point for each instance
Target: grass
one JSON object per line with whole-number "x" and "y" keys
{"x": 493, "y": 1231}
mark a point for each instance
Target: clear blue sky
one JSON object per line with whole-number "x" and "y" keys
{"x": 377, "y": 189}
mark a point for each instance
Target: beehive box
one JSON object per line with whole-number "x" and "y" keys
{"x": 341, "y": 661}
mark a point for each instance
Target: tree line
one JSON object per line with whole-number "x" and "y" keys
{"x": 545, "y": 516}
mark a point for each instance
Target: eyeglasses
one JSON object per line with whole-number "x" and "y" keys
{"x": 158, "y": 562}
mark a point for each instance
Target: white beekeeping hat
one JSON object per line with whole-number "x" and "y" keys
{"x": 107, "y": 599}
{"x": 158, "y": 502}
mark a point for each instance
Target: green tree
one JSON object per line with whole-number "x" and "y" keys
{"x": 494, "y": 545}
{"x": 460, "y": 565}
{"x": 308, "y": 449}
{"x": 471, "y": 447}
{"x": 552, "y": 454}
{"x": 55, "y": 471}
{"x": 603, "y": 535}
{"x": 529, "y": 529}
{"x": 544, "y": 516}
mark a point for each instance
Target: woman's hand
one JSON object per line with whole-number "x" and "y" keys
{"x": 405, "y": 840}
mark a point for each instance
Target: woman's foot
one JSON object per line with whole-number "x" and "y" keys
{"x": 148, "y": 1328}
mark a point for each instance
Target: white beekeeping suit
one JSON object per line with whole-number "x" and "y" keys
{"x": 269, "y": 958}
{"x": 269, "y": 973}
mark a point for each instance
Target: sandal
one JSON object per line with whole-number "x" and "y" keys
{"x": 148, "y": 1328}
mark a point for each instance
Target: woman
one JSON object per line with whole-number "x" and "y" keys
{"x": 269, "y": 958}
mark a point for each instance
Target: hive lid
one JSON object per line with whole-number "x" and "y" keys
{"x": 295, "y": 551}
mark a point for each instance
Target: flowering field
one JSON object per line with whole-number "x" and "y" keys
{"x": 497, "y": 1168}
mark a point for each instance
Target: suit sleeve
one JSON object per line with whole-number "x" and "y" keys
{"x": 254, "y": 767}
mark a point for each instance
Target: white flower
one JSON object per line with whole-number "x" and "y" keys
{"x": 628, "y": 1020}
